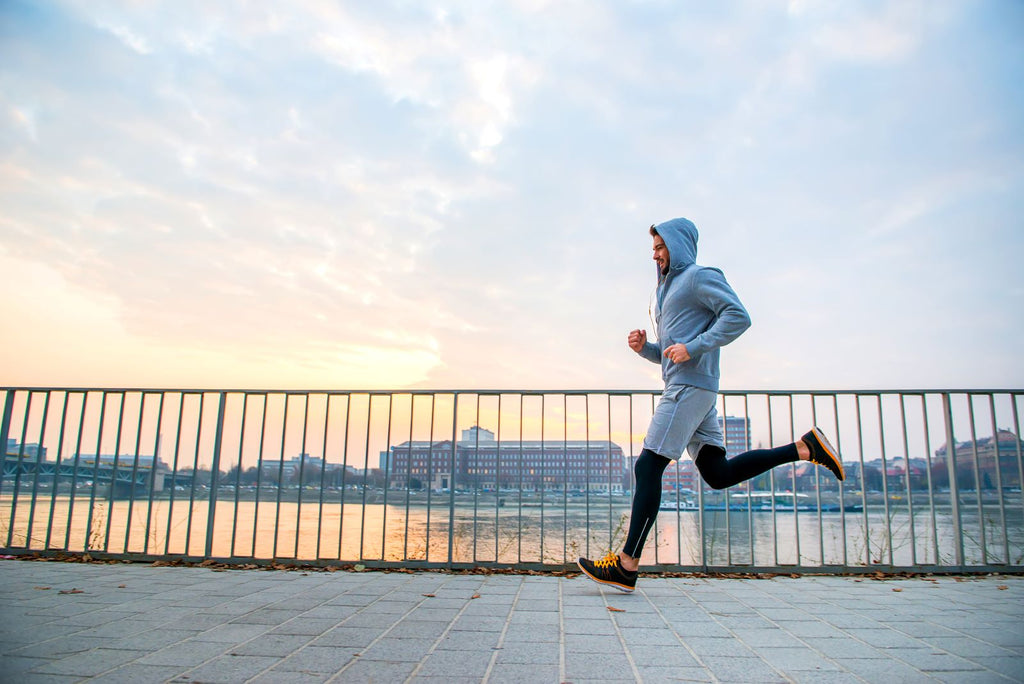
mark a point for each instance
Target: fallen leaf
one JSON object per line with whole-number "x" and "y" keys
{"x": 616, "y": 610}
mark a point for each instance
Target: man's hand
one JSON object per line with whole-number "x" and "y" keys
{"x": 637, "y": 340}
{"x": 677, "y": 353}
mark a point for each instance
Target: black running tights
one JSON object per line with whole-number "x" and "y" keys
{"x": 715, "y": 469}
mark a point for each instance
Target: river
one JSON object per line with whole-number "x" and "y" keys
{"x": 507, "y": 531}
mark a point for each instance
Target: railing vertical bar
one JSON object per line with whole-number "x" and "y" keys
{"x": 1020, "y": 457}
{"x": 520, "y": 469}
{"x": 35, "y": 471}
{"x": 5, "y": 428}
{"x": 430, "y": 468}
{"x": 907, "y": 475}
{"x": 211, "y": 510}
{"x": 135, "y": 470}
{"x": 387, "y": 483}
{"x": 497, "y": 483}
{"x": 749, "y": 488}
{"x": 95, "y": 474}
{"x": 680, "y": 500}
{"x": 195, "y": 473}
{"x": 259, "y": 472}
{"x": 74, "y": 472}
{"x": 323, "y": 474}
{"x": 655, "y": 529}
{"x": 408, "y": 473}
{"x": 232, "y": 551}
{"x": 174, "y": 470}
{"x": 56, "y": 469}
{"x": 22, "y": 467}
{"x": 817, "y": 492}
{"x": 543, "y": 472}
{"x": 931, "y": 487}
{"x": 451, "y": 481}
{"x": 792, "y": 472}
{"x": 17, "y": 468}
{"x": 586, "y": 456}
{"x": 565, "y": 488}
{"x": 280, "y": 474}
{"x": 885, "y": 480}
{"x": 977, "y": 478}
{"x": 728, "y": 492}
{"x": 155, "y": 472}
{"x": 476, "y": 475}
{"x": 344, "y": 475}
{"x": 842, "y": 492}
{"x": 302, "y": 471}
{"x": 999, "y": 479}
{"x": 113, "y": 474}
{"x": 629, "y": 467}
{"x": 771, "y": 481}
{"x": 366, "y": 472}
{"x": 954, "y": 489}
{"x": 608, "y": 462}
{"x": 863, "y": 479}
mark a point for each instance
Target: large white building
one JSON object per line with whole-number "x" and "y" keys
{"x": 480, "y": 462}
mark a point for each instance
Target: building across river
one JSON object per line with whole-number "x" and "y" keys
{"x": 483, "y": 463}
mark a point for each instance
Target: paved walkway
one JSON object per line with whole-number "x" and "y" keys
{"x": 69, "y": 622}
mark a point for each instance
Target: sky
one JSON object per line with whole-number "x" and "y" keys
{"x": 391, "y": 195}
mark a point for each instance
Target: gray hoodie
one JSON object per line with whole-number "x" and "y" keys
{"x": 695, "y": 307}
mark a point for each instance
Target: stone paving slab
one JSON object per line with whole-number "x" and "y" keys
{"x": 71, "y": 622}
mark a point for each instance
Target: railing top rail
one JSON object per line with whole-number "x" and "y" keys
{"x": 494, "y": 392}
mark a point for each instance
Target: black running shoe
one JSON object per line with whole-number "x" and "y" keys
{"x": 609, "y": 571}
{"x": 823, "y": 453}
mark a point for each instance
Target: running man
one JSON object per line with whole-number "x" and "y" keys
{"x": 697, "y": 314}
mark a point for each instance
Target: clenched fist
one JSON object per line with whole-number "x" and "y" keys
{"x": 637, "y": 340}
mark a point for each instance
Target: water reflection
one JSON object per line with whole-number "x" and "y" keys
{"x": 487, "y": 532}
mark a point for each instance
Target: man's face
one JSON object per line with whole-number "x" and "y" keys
{"x": 661, "y": 254}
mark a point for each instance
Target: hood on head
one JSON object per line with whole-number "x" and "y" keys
{"x": 680, "y": 236}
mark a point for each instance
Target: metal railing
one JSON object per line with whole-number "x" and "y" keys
{"x": 401, "y": 479}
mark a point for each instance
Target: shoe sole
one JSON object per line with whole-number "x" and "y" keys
{"x": 621, "y": 587}
{"x": 830, "y": 450}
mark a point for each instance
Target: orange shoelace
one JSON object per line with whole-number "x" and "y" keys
{"x": 609, "y": 561}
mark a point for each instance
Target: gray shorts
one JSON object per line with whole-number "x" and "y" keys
{"x": 685, "y": 418}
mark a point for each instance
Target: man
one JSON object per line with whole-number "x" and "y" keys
{"x": 697, "y": 314}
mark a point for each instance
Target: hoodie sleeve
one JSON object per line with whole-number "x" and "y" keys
{"x": 651, "y": 351}
{"x": 731, "y": 319}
